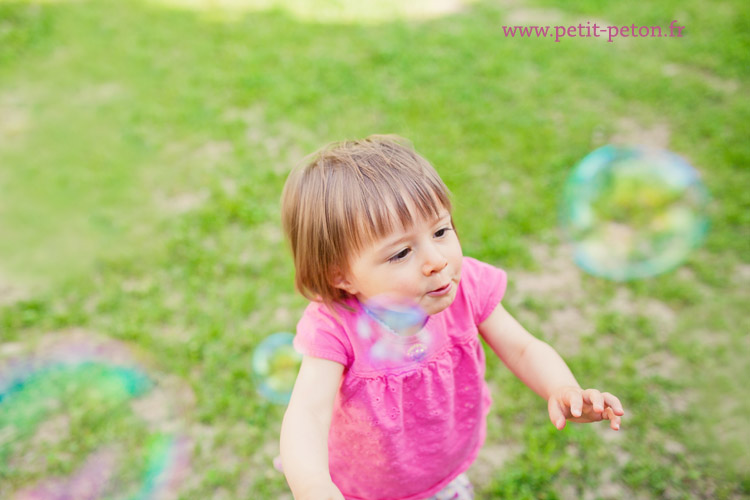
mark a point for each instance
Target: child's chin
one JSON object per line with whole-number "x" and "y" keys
{"x": 441, "y": 305}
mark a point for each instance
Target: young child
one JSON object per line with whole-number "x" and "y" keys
{"x": 390, "y": 400}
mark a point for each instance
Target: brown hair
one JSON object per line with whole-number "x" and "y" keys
{"x": 342, "y": 198}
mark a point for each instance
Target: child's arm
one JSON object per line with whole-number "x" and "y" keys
{"x": 304, "y": 431}
{"x": 540, "y": 367}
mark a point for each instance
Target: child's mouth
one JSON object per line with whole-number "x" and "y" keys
{"x": 442, "y": 290}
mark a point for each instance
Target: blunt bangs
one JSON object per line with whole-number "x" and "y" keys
{"x": 381, "y": 204}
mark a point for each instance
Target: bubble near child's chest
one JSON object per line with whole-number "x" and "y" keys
{"x": 393, "y": 332}
{"x": 399, "y": 316}
{"x": 387, "y": 352}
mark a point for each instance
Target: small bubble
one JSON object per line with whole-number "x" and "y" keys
{"x": 416, "y": 352}
{"x": 275, "y": 366}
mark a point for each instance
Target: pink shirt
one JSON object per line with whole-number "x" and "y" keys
{"x": 410, "y": 414}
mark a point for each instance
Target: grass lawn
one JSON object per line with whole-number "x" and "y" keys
{"x": 143, "y": 148}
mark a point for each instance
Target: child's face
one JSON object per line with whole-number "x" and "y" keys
{"x": 420, "y": 265}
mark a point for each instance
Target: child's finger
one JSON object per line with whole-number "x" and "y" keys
{"x": 614, "y": 420}
{"x": 574, "y": 400}
{"x": 556, "y": 414}
{"x": 595, "y": 399}
{"x": 612, "y": 401}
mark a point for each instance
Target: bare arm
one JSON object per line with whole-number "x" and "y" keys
{"x": 304, "y": 431}
{"x": 541, "y": 368}
{"x": 531, "y": 360}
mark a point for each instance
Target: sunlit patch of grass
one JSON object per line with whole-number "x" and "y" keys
{"x": 336, "y": 11}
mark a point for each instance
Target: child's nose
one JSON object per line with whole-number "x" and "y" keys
{"x": 434, "y": 262}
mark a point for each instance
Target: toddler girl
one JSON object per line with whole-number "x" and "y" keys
{"x": 390, "y": 400}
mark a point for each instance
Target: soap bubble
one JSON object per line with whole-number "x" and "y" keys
{"x": 275, "y": 366}
{"x": 393, "y": 329}
{"x": 631, "y": 213}
{"x": 126, "y": 407}
{"x": 416, "y": 352}
{"x": 399, "y": 315}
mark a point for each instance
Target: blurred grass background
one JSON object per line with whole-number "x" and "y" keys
{"x": 144, "y": 145}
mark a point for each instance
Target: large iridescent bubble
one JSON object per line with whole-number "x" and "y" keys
{"x": 43, "y": 394}
{"x": 275, "y": 367}
{"x": 632, "y": 212}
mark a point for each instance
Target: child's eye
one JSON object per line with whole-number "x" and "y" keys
{"x": 441, "y": 232}
{"x": 400, "y": 256}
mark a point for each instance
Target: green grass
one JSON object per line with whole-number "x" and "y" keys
{"x": 143, "y": 149}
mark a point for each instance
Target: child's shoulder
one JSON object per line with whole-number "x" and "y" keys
{"x": 475, "y": 271}
{"x": 481, "y": 288}
{"x": 321, "y": 332}
{"x": 329, "y": 317}
{"x": 475, "y": 263}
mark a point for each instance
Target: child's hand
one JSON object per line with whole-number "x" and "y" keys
{"x": 583, "y": 406}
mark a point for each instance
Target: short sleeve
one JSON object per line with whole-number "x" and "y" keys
{"x": 484, "y": 286}
{"x": 320, "y": 335}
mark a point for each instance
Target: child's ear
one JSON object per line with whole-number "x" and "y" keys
{"x": 340, "y": 281}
